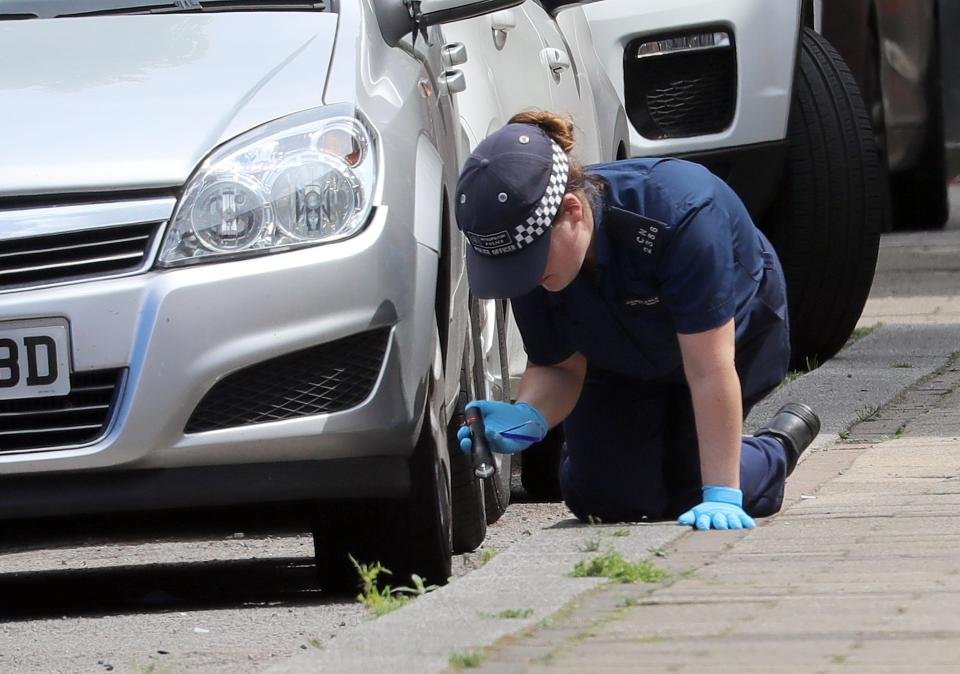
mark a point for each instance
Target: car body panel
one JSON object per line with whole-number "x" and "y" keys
{"x": 759, "y": 27}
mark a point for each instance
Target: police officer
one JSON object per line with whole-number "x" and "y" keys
{"x": 653, "y": 313}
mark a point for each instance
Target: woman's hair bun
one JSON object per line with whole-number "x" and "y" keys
{"x": 558, "y": 127}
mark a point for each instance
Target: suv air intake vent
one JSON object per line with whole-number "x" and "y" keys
{"x": 677, "y": 87}
{"x": 327, "y": 378}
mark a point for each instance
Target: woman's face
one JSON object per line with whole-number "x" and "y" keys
{"x": 570, "y": 238}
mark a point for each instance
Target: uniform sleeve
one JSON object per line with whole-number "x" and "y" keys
{"x": 542, "y": 338}
{"x": 696, "y": 271}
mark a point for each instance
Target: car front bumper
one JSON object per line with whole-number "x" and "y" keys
{"x": 177, "y": 332}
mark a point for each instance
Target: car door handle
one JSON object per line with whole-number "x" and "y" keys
{"x": 452, "y": 82}
{"x": 453, "y": 54}
{"x": 556, "y": 59}
{"x": 501, "y": 23}
{"x": 505, "y": 20}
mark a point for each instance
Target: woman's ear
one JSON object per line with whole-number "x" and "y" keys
{"x": 571, "y": 207}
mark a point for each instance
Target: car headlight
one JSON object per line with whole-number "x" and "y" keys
{"x": 303, "y": 180}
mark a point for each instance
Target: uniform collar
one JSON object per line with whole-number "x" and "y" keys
{"x": 603, "y": 252}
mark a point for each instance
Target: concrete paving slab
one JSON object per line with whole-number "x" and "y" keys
{"x": 869, "y": 583}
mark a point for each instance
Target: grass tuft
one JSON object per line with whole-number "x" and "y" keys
{"x": 380, "y": 598}
{"x": 515, "y": 613}
{"x": 612, "y": 565}
{"x": 487, "y": 555}
{"x": 860, "y": 333}
{"x": 466, "y": 659}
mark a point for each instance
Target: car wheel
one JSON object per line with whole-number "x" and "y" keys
{"x": 469, "y": 504}
{"x": 826, "y": 220}
{"x": 497, "y": 487}
{"x": 920, "y": 196}
{"x": 540, "y": 467}
{"x": 407, "y": 536}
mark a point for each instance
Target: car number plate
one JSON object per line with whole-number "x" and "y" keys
{"x": 34, "y": 359}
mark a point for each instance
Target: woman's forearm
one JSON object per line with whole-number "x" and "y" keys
{"x": 708, "y": 363}
{"x": 553, "y": 390}
{"x": 719, "y": 412}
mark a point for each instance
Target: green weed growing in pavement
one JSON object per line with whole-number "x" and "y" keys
{"x": 860, "y": 333}
{"x": 620, "y": 532}
{"x": 381, "y": 599}
{"x": 867, "y": 413}
{"x": 466, "y": 659}
{"x": 792, "y": 375}
{"x": 844, "y": 435}
{"x": 315, "y": 643}
{"x": 658, "y": 552}
{"x": 487, "y": 555}
{"x": 900, "y": 429}
{"x": 627, "y": 602}
{"x": 589, "y": 545}
{"x": 515, "y": 613}
{"x": 612, "y": 565}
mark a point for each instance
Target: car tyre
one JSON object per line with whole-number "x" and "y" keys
{"x": 407, "y": 536}
{"x": 826, "y": 220}
{"x": 469, "y": 503}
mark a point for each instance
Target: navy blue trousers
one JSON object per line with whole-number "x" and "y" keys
{"x": 631, "y": 445}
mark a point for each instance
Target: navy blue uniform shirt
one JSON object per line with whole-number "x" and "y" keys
{"x": 676, "y": 252}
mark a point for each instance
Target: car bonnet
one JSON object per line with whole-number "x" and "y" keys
{"x": 135, "y": 102}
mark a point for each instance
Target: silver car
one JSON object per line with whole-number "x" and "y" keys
{"x": 230, "y": 272}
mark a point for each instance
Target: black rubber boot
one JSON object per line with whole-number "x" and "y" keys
{"x": 795, "y": 425}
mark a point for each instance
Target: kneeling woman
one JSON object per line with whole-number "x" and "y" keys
{"x": 653, "y": 313}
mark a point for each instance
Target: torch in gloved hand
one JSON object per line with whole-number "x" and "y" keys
{"x": 483, "y": 464}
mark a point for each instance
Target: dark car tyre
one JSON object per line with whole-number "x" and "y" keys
{"x": 409, "y": 535}
{"x": 826, "y": 220}
{"x": 469, "y": 504}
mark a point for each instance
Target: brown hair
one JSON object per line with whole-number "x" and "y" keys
{"x": 560, "y": 129}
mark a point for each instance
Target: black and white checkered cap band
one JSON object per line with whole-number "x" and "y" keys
{"x": 542, "y": 217}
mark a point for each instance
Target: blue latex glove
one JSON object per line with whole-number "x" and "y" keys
{"x": 510, "y": 428}
{"x": 722, "y": 508}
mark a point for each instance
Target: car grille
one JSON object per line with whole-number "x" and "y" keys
{"x": 79, "y": 418}
{"x": 322, "y": 379}
{"x": 680, "y": 94}
{"x": 54, "y": 258}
